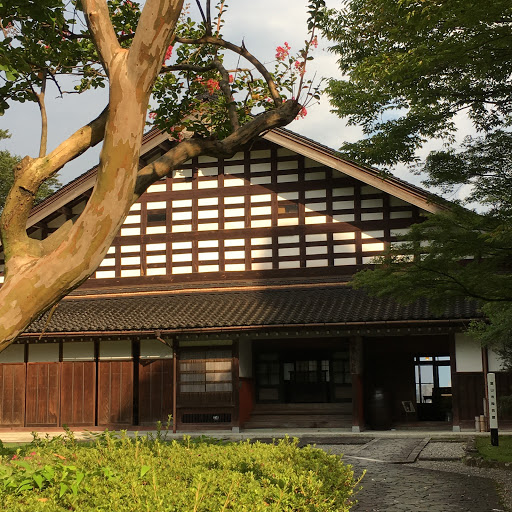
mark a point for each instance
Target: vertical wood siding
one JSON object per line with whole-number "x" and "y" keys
{"x": 115, "y": 393}
{"x": 78, "y": 393}
{"x": 12, "y": 395}
{"x": 42, "y": 394}
{"x": 155, "y": 391}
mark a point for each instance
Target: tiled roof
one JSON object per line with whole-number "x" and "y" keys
{"x": 225, "y": 308}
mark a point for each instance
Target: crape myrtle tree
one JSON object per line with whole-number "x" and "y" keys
{"x": 413, "y": 69}
{"x": 209, "y": 107}
{"x": 8, "y": 162}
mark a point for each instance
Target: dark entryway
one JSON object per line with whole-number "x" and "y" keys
{"x": 409, "y": 378}
{"x": 290, "y": 373}
{"x": 433, "y": 387}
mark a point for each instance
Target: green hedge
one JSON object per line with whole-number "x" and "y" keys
{"x": 118, "y": 473}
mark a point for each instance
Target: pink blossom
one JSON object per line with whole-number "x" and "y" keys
{"x": 282, "y": 51}
{"x": 314, "y": 42}
{"x": 168, "y": 53}
{"x": 300, "y": 67}
{"x": 303, "y": 113}
{"x": 14, "y": 457}
{"x": 231, "y": 79}
{"x": 212, "y": 85}
{"x": 152, "y": 115}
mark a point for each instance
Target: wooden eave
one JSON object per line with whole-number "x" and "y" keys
{"x": 327, "y": 156}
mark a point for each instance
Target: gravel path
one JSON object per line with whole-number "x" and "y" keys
{"x": 432, "y": 484}
{"x": 502, "y": 477}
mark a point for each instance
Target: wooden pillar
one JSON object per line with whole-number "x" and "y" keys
{"x": 174, "y": 382}
{"x": 356, "y": 370}
{"x": 136, "y": 360}
{"x": 235, "y": 368}
{"x": 455, "y": 387}
{"x": 485, "y": 369}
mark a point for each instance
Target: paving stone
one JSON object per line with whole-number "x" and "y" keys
{"x": 388, "y": 487}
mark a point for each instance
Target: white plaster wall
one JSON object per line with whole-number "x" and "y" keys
{"x": 115, "y": 349}
{"x": 468, "y": 354}
{"x": 13, "y": 354}
{"x": 154, "y": 349}
{"x": 495, "y": 362}
{"x": 43, "y": 353}
{"x": 78, "y": 351}
{"x": 245, "y": 355}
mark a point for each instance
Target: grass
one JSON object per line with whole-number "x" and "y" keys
{"x": 501, "y": 453}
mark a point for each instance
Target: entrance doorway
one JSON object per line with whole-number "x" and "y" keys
{"x": 294, "y": 376}
{"x": 433, "y": 388}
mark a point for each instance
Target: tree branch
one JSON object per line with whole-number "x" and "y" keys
{"x": 240, "y": 50}
{"x": 84, "y": 138}
{"x": 44, "y": 117}
{"x": 187, "y": 67}
{"x": 152, "y": 37}
{"x": 226, "y": 90}
{"x": 187, "y": 149}
{"x": 29, "y": 175}
{"x": 102, "y": 31}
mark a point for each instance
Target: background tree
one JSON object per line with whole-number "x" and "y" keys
{"x": 210, "y": 108}
{"x": 7, "y": 164}
{"x": 413, "y": 67}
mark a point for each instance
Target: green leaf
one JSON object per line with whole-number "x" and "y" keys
{"x": 38, "y": 479}
{"x": 63, "y": 489}
{"x": 144, "y": 470}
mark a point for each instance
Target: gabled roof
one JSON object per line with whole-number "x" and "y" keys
{"x": 280, "y": 136}
{"x": 330, "y": 158}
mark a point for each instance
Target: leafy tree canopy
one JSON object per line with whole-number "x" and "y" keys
{"x": 412, "y": 66}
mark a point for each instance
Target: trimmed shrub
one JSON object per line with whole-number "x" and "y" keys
{"x": 118, "y": 473}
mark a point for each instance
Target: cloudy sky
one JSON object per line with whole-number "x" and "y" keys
{"x": 262, "y": 25}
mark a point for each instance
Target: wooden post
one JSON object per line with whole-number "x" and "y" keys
{"x": 235, "y": 368}
{"x": 455, "y": 389}
{"x": 174, "y": 382}
{"x": 485, "y": 369}
{"x": 356, "y": 370}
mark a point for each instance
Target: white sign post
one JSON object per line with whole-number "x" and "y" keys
{"x": 493, "y": 408}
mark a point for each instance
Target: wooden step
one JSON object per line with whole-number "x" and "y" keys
{"x": 293, "y": 421}
{"x": 269, "y": 409}
{"x": 303, "y": 415}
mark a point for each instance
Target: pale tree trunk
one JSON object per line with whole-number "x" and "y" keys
{"x": 40, "y": 273}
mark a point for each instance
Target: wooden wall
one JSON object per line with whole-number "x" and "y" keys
{"x": 12, "y": 395}
{"x": 42, "y": 405}
{"x": 119, "y": 392}
{"x": 155, "y": 391}
{"x": 78, "y": 393}
{"x": 115, "y": 393}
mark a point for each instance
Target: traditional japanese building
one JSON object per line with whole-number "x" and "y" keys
{"x": 224, "y": 302}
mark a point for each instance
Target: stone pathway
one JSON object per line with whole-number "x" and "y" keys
{"x": 392, "y": 483}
